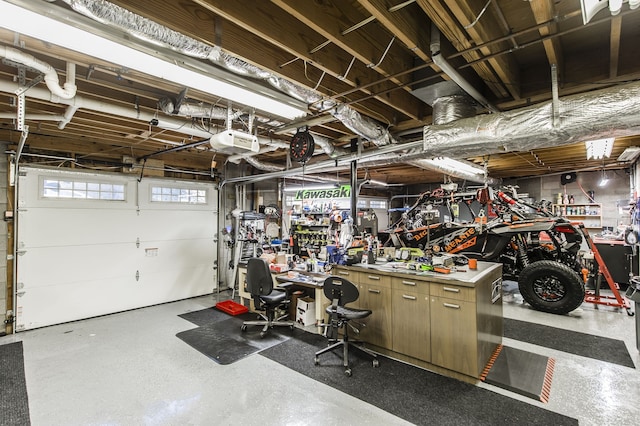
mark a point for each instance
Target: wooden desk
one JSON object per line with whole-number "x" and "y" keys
{"x": 312, "y": 281}
{"x": 304, "y": 279}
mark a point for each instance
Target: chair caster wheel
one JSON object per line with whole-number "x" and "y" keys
{"x": 347, "y": 372}
{"x": 243, "y": 328}
{"x": 262, "y": 334}
{"x": 291, "y": 327}
{"x": 316, "y": 361}
{"x": 376, "y": 363}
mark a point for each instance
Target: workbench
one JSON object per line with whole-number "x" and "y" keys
{"x": 447, "y": 323}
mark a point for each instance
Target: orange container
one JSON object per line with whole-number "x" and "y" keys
{"x": 473, "y": 263}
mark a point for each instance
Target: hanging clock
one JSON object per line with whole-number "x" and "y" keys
{"x": 302, "y": 146}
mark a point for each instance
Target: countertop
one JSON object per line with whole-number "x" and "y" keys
{"x": 468, "y": 278}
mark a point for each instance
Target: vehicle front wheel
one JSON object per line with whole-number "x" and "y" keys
{"x": 552, "y": 287}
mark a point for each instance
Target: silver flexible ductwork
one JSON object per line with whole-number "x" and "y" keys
{"x": 196, "y": 109}
{"x": 261, "y": 165}
{"x": 365, "y": 128}
{"x": 611, "y": 112}
{"x": 451, "y": 108}
{"x": 448, "y": 108}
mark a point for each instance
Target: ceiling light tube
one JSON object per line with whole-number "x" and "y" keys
{"x": 450, "y": 163}
{"x": 30, "y": 23}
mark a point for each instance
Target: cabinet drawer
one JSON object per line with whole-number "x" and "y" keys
{"x": 349, "y": 275}
{"x": 367, "y": 279}
{"x": 410, "y": 285}
{"x": 453, "y": 292}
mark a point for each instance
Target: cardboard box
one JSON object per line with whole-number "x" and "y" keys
{"x": 278, "y": 267}
{"x": 306, "y": 311}
{"x": 281, "y": 258}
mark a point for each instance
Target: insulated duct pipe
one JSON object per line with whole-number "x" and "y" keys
{"x": 261, "y": 165}
{"x": 610, "y": 112}
{"x": 196, "y": 109}
{"x": 50, "y": 74}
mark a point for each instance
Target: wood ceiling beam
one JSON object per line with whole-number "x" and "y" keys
{"x": 487, "y": 28}
{"x": 367, "y": 44}
{"x": 446, "y": 23}
{"x": 409, "y": 30}
{"x": 267, "y": 23}
{"x": 614, "y": 49}
{"x": 544, "y": 11}
{"x": 239, "y": 39}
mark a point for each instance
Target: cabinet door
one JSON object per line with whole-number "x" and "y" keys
{"x": 411, "y": 324}
{"x": 454, "y": 340}
{"x": 377, "y": 298}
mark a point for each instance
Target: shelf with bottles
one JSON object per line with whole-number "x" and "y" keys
{"x": 590, "y": 214}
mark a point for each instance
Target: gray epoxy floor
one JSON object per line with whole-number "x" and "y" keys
{"x": 130, "y": 369}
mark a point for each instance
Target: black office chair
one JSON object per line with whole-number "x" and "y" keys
{"x": 265, "y": 297}
{"x": 341, "y": 291}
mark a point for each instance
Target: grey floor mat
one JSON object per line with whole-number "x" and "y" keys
{"x": 522, "y": 372}
{"x": 587, "y": 345}
{"x": 414, "y": 394}
{"x": 14, "y": 402}
{"x": 225, "y": 343}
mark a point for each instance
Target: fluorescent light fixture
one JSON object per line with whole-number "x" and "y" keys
{"x": 295, "y": 188}
{"x": 630, "y": 153}
{"x": 599, "y": 148}
{"x": 455, "y": 165}
{"x": 377, "y": 182}
{"x": 27, "y": 22}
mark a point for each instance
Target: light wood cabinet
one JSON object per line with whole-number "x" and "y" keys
{"x": 453, "y": 335}
{"x": 375, "y": 294}
{"x": 449, "y": 325}
{"x": 411, "y": 322}
{"x": 466, "y": 325}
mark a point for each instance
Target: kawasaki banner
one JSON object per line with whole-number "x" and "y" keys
{"x": 316, "y": 194}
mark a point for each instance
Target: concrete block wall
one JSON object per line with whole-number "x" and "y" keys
{"x": 615, "y": 194}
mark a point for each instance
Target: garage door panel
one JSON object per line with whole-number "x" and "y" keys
{"x": 48, "y": 266}
{"x": 176, "y": 224}
{"x": 69, "y": 227}
{"x": 80, "y": 262}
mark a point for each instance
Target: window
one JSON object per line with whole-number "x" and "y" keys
{"x": 378, "y": 204}
{"x": 178, "y": 195}
{"x": 56, "y": 188}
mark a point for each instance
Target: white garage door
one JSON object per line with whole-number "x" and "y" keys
{"x": 92, "y": 244}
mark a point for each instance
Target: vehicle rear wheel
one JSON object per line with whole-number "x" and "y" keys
{"x": 552, "y": 287}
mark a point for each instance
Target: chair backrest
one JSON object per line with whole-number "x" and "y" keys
{"x": 259, "y": 282}
{"x": 341, "y": 289}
